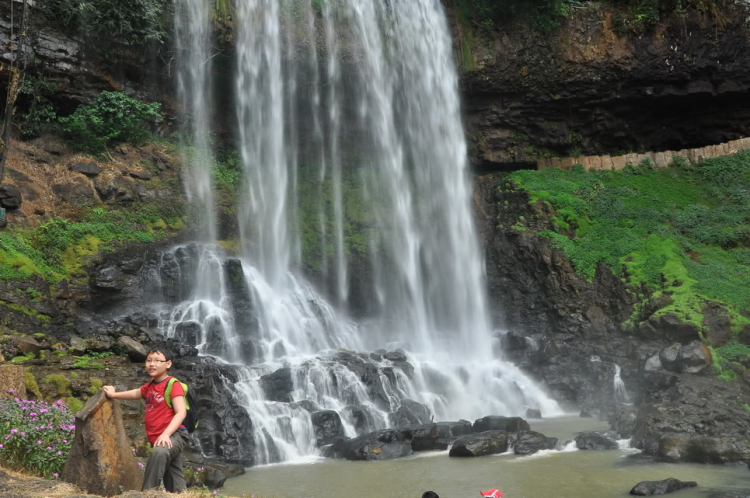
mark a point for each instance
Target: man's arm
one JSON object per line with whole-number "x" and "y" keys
{"x": 112, "y": 393}
{"x": 180, "y": 412}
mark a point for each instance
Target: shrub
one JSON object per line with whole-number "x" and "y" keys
{"x": 35, "y": 436}
{"x": 110, "y": 119}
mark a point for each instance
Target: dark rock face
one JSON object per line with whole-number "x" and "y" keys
{"x": 650, "y": 488}
{"x": 327, "y": 426}
{"x": 534, "y": 414}
{"x": 529, "y": 92}
{"x": 690, "y": 418}
{"x": 77, "y": 191}
{"x": 496, "y": 423}
{"x": 410, "y": 413}
{"x": 481, "y": 444}
{"x": 279, "y": 385}
{"x": 622, "y": 421}
{"x": 594, "y": 441}
{"x": 10, "y": 196}
{"x": 529, "y": 442}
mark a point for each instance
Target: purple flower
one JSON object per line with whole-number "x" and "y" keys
{"x": 43, "y": 410}
{"x": 1, "y": 446}
{"x": 13, "y": 431}
{"x": 56, "y": 474}
{"x": 11, "y": 391}
{"x": 33, "y": 414}
{"x": 49, "y": 448}
{"x": 59, "y": 452}
{"x": 199, "y": 469}
{"x": 38, "y": 442}
{"x": 140, "y": 464}
{"x": 23, "y": 433}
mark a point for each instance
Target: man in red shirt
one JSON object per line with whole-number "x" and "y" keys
{"x": 163, "y": 424}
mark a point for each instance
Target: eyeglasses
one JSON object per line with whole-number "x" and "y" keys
{"x": 156, "y": 361}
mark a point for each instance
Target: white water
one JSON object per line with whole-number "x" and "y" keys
{"x": 372, "y": 80}
{"x": 621, "y": 394}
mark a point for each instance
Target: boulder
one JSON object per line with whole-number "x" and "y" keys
{"x": 622, "y": 421}
{"x": 396, "y": 356}
{"x": 278, "y": 385}
{"x": 702, "y": 449}
{"x": 116, "y": 189}
{"x": 188, "y": 333}
{"x": 482, "y": 444}
{"x": 307, "y": 405}
{"x": 670, "y": 358}
{"x": 694, "y": 357}
{"x": 141, "y": 175}
{"x": 109, "y": 278}
{"x": 88, "y": 168}
{"x": 76, "y": 191}
{"x": 100, "y": 459}
{"x": 594, "y": 441}
{"x": 136, "y": 351}
{"x": 650, "y": 488}
{"x": 534, "y": 414}
{"x": 410, "y": 413}
{"x": 380, "y": 445}
{"x": 529, "y": 442}
{"x": 27, "y": 345}
{"x": 327, "y": 425}
{"x": 429, "y": 437}
{"x": 496, "y": 423}
{"x": 357, "y": 417}
{"x": 12, "y": 381}
{"x": 669, "y": 326}
{"x": 10, "y": 196}
{"x": 78, "y": 346}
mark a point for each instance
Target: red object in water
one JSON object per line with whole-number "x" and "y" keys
{"x": 492, "y": 493}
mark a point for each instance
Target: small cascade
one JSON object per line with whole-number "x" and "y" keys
{"x": 621, "y": 394}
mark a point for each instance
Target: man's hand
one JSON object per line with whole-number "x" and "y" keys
{"x": 109, "y": 390}
{"x": 163, "y": 441}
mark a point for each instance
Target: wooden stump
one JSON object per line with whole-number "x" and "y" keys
{"x": 12, "y": 381}
{"x": 100, "y": 460}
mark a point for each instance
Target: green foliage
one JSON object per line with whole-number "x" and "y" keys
{"x": 732, "y": 352}
{"x": 96, "y": 385}
{"x": 89, "y": 360}
{"x": 110, "y": 119}
{"x": 682, "y": 231}
{"x": 59, "y": 383}
{"x": 22, "y": 359}
{"x": 57, "y": 248}
{"x": 35, "y": 436}
{"x": 135, "y": 22}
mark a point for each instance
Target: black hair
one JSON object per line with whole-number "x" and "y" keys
{"x": 430, "y": 494}
{"x": 161, "y": 349}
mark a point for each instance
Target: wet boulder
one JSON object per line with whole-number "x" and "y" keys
{"x": 27, "y": 345}
{"x": 650, "y": 488}
{"x": 410, "y": 413}
{"x": 512, "y": 341}
{"x": 109, "y": 278}
{"x": 481, "y": 444}
{"x": 429, "y": 437}
{"x": 278, "y": 385}
{"x": 327, "y": 425}
{"x": 496, "y": 423}
{"x": 529, "y": 442}
{"x": 694, "y": 357}
{"x": 100, "y": 459}
{"x": 306, "y": 404}
{"x": 534, "y": 414}
{"x": 188, "y": 333}
{"x": 395, "y": 356}
{"x": 380, "y": 445}
{"x": 702, "y": 449}
{"x": 358, "y": 418}
{"x": 594, "y": 441}
{"x": 622, "y": 421}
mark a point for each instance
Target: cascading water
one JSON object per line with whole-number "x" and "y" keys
{"x": 621, "y": 394}
{"x": 354, "y": 167}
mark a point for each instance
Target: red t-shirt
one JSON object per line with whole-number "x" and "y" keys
{"x": 158, "y": 413}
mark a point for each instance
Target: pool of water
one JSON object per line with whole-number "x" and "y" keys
{"x": 558, "y": 474}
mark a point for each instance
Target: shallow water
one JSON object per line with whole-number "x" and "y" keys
{"x": 558, "y": 474}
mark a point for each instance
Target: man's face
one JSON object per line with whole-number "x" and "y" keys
{"x": 157, "y": 365}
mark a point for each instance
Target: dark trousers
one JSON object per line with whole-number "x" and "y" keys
{"x": 165, "y": 465}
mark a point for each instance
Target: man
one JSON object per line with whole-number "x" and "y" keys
{"x": 163, "y": 423}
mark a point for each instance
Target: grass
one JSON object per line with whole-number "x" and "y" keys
{"x": 680, "y": 230}
{"x": 59, "y": 248}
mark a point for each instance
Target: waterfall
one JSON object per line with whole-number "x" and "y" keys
{"x": 355, "y": 178}
{"x": 621, "y": 394}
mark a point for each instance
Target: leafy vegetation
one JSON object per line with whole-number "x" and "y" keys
{"x": 131, "y": 23}
{"x": 680, "y": 230}
{"x": 57, "y": 249}
{"x": 40, "y": 115}
{"x": 110, "y": 119}
{"x": 35, "y": 436}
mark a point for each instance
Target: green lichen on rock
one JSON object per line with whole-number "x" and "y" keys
{"x": 681, "y": 231}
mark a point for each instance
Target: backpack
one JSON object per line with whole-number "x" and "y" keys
{"x": 191, "y": 403}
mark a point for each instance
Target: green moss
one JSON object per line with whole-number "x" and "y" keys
{"x": 96, "y": 385}
{"x": 59, "y": 383}
{"x": 683, "y": 231}
{"x": 32, "y": 386}
{"x": 26, "y": 311}
{"x": 74, "y": 405}
{"x": 22, "y": 359}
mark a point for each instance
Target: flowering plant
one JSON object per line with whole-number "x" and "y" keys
{"x": 35, "y": 436}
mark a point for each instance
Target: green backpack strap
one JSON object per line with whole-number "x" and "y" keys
{"x": 168, "y": 392}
